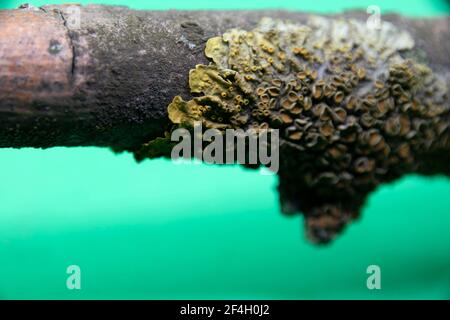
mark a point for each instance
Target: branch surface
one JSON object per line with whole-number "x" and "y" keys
{"x": 108, "y": 82}
{"x": 346, "y": 126}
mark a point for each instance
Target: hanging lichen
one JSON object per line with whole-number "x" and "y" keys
{"x": 352, "y": 112}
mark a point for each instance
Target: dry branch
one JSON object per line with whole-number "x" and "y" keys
{"x": 108, "y": 82}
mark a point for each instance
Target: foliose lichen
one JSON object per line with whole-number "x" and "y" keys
{"x": 352, "y": 112}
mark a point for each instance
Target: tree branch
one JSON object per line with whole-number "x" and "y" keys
{"x": 108, "y": 82}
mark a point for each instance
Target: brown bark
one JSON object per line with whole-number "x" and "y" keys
{"x": 108, "y": 83}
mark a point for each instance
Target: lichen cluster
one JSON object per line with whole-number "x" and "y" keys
{"x": 352, "y": 111}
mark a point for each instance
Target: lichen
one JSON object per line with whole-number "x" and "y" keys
{"x": 352, "y": 112}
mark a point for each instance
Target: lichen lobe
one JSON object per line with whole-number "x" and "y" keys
{"x": 352, "y": 112}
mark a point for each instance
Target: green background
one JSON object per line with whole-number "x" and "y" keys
{"x": 160, "y": 230}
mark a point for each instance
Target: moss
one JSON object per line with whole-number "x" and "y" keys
{"x": 352, "y": 112}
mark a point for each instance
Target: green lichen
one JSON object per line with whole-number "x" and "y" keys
{"x": 352, "y": 112}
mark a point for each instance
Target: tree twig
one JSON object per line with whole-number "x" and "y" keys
{"x": 108, "y": 80}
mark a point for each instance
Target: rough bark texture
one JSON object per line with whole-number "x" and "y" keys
{"x": 108, "y": 83}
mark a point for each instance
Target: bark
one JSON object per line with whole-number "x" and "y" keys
{"x": 108, "y": 82}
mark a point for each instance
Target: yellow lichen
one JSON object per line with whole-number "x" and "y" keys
{"x": 348, "y": 105}
{"x": 326, "y": 57}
